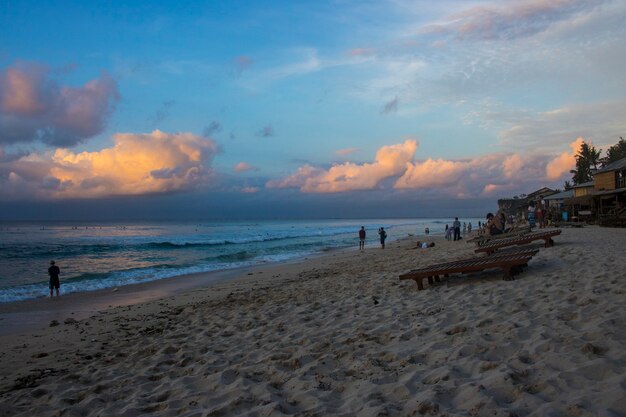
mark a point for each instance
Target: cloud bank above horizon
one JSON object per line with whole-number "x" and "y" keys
{"x": 499, "y": 93}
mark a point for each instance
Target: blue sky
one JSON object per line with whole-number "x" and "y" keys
{"x": 329, "y": 102}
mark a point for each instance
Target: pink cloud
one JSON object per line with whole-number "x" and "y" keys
{"x": 431, "y": 173}
{"x": 346, "y": 151}
{"x": 485, "y": 175}
{"x": 244, "y": 166}
{"x": 250, "y": 190}
{"x": 390, "y": 161}
{"x": 360, "y": 52}
{"x": 510, "y": 20}
{"x": 137, "y": 164}
{"x": 34, "y": 107}
{"x": 562, "y": 164}
{"x": 242, "y": 63}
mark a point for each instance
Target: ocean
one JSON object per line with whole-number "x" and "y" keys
{"x": 97, "y": 256}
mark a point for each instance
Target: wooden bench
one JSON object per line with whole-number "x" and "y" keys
{"x": 511, "y": 263}
{"x": 491, "y": 247}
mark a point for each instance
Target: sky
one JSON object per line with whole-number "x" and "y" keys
{"x": 289, "y": 109}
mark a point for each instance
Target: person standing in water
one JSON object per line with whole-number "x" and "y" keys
{"x": 362, "y": 238}
{"x": 383, "y": 236}
{"x": 55, "y": 283}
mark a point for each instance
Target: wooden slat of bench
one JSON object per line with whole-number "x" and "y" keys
{"x": 514, "y": 252}
{"x": 485, "y": 239}
{"x": 510, "y": 264}
{"x": 491, "y": 247}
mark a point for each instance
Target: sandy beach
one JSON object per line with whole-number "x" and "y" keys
{"x": 337, "y": 334}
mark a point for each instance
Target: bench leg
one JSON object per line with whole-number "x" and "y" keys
{"x": 418, "y": 281}
{"x": 507, "y": 273}
{"x": 437, "y": 278}
{"x": 430, "y": 280}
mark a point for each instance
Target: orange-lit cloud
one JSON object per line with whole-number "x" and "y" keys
{"x": 563, "y": 163}
{"x": 244, "y": 166}
{"x": 34, "y": 107}
{"x": 485, "y": 175}
{"x": 431, "y": 173}
{"x": 390, "y": 161}
{"x": 137, "y": 164}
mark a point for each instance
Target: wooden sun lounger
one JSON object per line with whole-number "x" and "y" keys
{"x": 491, "y": 247}
{"x": 511, "y": 264}
{"x": 482, "y": 239}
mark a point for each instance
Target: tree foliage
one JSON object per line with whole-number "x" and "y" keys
{"x": 587, "y": 159}
{"x": 615, "y": 152}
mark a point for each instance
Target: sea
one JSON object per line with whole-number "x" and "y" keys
{"x": 95, "y": 256}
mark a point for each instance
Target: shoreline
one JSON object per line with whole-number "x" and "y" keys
{"x": 341, "y": 335}
{"x": 36, "y": 313}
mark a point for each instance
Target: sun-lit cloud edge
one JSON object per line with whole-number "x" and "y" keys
{"x": 136, "y": 164}
{"x": 482, "y": 176}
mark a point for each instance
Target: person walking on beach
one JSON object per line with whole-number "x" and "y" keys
{"x": 456, "y": 229}
{"x": 54, "y": 272}
{"x": 383, "y": 236}
{"x": 362, "y": 238}
{"x": 531, "y": 214}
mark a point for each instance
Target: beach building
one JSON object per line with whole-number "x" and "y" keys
{"x": 518, "y": 205}
{"x": 557, "y": 200}
{"x": 609, "y": 195}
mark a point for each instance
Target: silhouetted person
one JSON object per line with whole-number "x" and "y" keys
{"x": 457, "y": 228}
{"x": 54, "y": 272}
{"x": 383, "y": 236}
{"x": 362, "y": 238}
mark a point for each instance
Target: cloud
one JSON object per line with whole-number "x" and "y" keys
{"x": 391, "y": 107}
{"x": 265, "y": 132}
{"x": 390, "y": 161}
{"x": 33, "y": 107}
{"x": 509, "y": 20}
{"x": 163, "y": 112}
{"x": 485, "y": 175}
{"x": 137, "y": 164}
{"x": 548, "y": 131}
{"x": 563, "y": 163}
{"x": 431, "y": 173}
{"x": 479, "y": 176}
{"x": 242, "y": 63}
{"x": 213, "y": 128}
{"x": 346, "y": 151}
{"x": 359, "y": 52}
{"x": 250, "y": 190}
{"x": 244, "y": 166}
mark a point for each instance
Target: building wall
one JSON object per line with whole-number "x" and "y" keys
{"x": 604, "y": 181}
{"x": 579, "y": 192}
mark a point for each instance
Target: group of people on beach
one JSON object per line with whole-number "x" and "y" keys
{"x": 381, "y": 233}
{"x": 454, "y": 232}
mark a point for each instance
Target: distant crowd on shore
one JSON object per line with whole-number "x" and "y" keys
{"x": 537, "y": 216}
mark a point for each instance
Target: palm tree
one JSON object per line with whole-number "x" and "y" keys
{"x": 587, "y": 159}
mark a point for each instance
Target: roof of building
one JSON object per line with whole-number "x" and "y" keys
{"x": 585, "y": 184}
{"x": 560, "y": 196}
{"x": 609, "y": 192}
{"x": 613, "y": 166}
{"x": 542, "y": 191}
